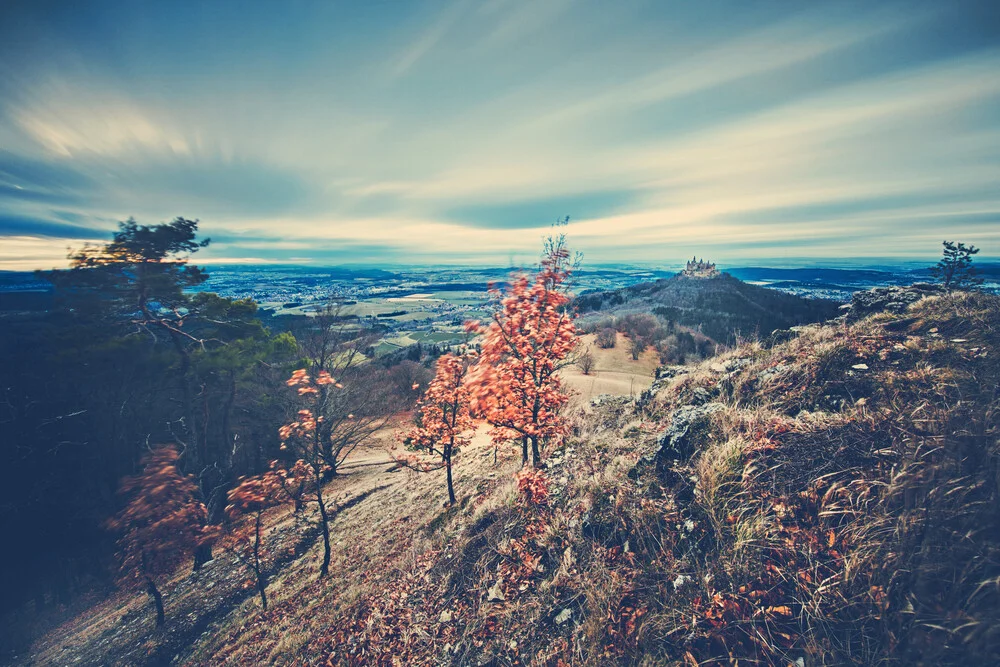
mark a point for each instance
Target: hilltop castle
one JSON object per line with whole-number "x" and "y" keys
{"x": 699, "y": 268}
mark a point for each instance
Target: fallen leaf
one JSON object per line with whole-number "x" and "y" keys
{"x": 495, "y": 593}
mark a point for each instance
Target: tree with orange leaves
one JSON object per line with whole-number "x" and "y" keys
{"x": 297, "y": 483}
{"x": 163, "y": 522}
{"x": 531, "y": 335}
{"x": 247, "y": 503}
{"x": 443, "y": 419}
{"x": 305, "y": 438}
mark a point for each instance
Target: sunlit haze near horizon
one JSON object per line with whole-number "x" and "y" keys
{"x": 457, "y": 132}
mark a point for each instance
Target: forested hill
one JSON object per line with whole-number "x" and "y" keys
{"x": 722, "y": 307}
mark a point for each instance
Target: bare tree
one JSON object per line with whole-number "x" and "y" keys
{"x": 349, "y": 399}
{"x": 409, "y": 379}
{"x": 364, "y": 403}
{"x": 636, "y": 346}
{"x": 607, "y": 338}
{"x": 585, "y": 362}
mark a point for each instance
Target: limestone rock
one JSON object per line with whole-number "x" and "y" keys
{"x": 686, "y": 425}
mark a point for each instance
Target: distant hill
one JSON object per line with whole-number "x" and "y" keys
{"x": 721, "y": 307}
{"x": 22, "y": 291}
{"x": 819, "y": 274}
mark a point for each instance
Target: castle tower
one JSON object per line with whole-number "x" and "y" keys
{"x": 698, "y": 267}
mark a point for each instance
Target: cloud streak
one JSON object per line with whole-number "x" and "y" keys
{"x": 459, "y": 131}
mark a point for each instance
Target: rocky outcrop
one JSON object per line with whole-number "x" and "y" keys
{"x": 730, "y": 366}
{"x": 688, "y": 424}
{"x": 663, "y": 375}
{"x": 891, "y": 299}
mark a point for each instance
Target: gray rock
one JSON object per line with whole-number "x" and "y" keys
{"x": 701, "y": 395}
{"x": 598, "y": 400}
{"x": 772, "y": 372}
{"x": 688, "y": 423}
{"x": 667, "y": 372}
{"x": 737, "y": 364}
{"x": 495, "y": 592}
{"x": 662, "y": 376}
{"x": 564, "y": 616}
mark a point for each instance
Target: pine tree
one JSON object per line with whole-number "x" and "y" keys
{"x": 955, "y": 270}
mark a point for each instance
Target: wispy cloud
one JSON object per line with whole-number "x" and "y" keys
{"x": 429, "y": 38}
{"x": 27, "y": 253}
{"x": 766, "y": 50}
{"x": 461, "y": 130}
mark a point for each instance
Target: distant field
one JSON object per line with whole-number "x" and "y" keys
{"x": 413, "y": 317}
{"x": 279, "y": 309}
{"x": 442, "y": 309}
{"x": 389, "y": 345}
{"x": 385, "y": 347}
{"x": 413, "y": 298}
{"x": 438, "y": 336}
{"x": 614, "y": 371}
{"x": 460, "y": 298}
{"x": 373, "y": 307}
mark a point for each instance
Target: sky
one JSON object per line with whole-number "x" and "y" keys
{"x": 416, "y": 132}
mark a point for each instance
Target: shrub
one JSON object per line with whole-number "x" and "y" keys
{"x": 639, "y": 325}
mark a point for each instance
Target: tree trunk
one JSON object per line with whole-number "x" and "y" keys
{"x": 536, "y": 456}
{"x": 261, "y": 582}
{"x": 62, "y": 593}
{"x": 451, "y": 488}
{"x": 229, "y": 438}
{"x": 324, "y": 523}
{"x": 217, "y": 499}
{"x": 202, "y": 554}
{"x": 261, "y": 585}
{"x": 157, "y": 598}
{"x": 324, "y": 431}
{"x": 524, "y": 451}
{"x": 193, "y": 446}
{"x": 190, "y": 424}
{"x": 329, "y": 456}
{"x": 206, "y": 419}
{"x": 39, "y": 597}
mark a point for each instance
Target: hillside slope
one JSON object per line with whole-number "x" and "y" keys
{"x": 831, "y": 499}
{"x": 721, "y": 307}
